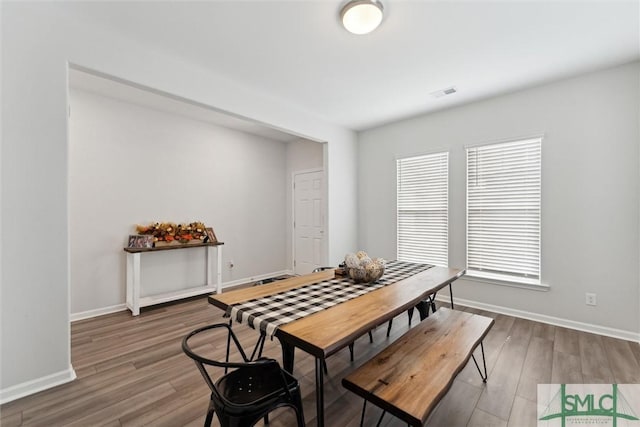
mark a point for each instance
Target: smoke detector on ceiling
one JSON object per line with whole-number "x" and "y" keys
{"x": 444, "y": 92}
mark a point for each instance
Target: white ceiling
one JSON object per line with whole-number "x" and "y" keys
{"x": 297, "y": 51}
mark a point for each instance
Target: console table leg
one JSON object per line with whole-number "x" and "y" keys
{"x": 133, "y": 281}
{"x": 219, "y": 270}
{"x": 209, "y": 277}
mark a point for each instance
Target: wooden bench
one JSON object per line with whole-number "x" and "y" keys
{"x": 408, "y": 378}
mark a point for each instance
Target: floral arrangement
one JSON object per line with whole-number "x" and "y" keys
{"x": 170, "y": 232}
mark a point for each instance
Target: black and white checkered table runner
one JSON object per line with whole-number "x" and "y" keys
{"x": 270, "y": 312}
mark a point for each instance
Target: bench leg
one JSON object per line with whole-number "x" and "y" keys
{"x": 364, "y": 409}
{"x": 380, "y": 419}
{"x": 484, "y": 364}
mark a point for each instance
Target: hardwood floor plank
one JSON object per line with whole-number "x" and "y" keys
{"x": 594, "y": 358}
{"x": 113, "y": 412}
{"x": 131, "y": 345}
{"x": 591, "y": 379}
{"x": 341, "y": 413}
{"x": 566, "y": 369}
{"x": 95, "y": 402}
{"x": 624, "y": 366}
{"x": 456, "y": 407}
{"x": 147, "y": 414}
{"x": 195, "y": 409}
{"x": 536, "y": 369}
{"x": 545, "y": 331}
{"x": 499, "y": 393}
{"x": 635, "y": 349}
{"x": 523, "y": 413}
{"x": 11, "y": 420}
{"x": 51, "y": 400}
{"x": 566, "y": 341}
{"x": 485, "y": 419}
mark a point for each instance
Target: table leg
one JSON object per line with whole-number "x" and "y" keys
{"x": 423, "y": 309}
{"x": 451, "y": 294}
{"x": 288, "y": 356}
{"x": 320, "y": 391}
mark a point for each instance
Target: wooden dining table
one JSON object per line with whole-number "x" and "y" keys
{"x": 328, "y": 331}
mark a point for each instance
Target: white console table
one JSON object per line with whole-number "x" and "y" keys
{"x": 135, "y": 301}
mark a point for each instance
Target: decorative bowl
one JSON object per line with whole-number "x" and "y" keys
{"x": 366, "y": 274}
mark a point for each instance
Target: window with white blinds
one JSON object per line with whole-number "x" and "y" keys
{"x": 503, "y": 210}
{"x": 422, "y": 203}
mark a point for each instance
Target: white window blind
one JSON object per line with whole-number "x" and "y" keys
{"x": 503, "y": 210}
{"x": 423, "y": 197}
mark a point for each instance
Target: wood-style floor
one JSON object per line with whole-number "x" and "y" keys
{"x": 132, "y": 372}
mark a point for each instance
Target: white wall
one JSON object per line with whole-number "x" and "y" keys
{"x": 133, "y": 165}
{"x": 38, "y": 42}
{"x": 301, "y": 155}
{"x": 590, "y": 190}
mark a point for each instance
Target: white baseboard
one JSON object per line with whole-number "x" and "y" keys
{"x": 97, "y": 312}
{"x": 121, "y": 307}
{"x": 237, "y": 282}
{"x": 556, "y": 321}
{"x": 34, "y": 386}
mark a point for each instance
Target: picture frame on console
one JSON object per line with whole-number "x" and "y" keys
{"x": 211, "y": 236}
{"x": 140, "y": 241}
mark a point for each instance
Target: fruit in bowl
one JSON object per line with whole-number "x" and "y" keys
{"x": 362, "y": 269}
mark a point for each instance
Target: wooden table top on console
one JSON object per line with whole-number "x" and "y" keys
{"x": 170, "y": 247}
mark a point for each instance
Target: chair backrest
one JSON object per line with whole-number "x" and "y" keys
{"x": 202, "y": 361}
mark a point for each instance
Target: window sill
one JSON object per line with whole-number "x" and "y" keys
{"x": 496, "y": 279}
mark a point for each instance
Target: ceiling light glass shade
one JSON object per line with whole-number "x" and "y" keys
{"x": 361, "y": 16}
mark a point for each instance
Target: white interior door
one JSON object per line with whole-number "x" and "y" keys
{"x": 308, "y": 221}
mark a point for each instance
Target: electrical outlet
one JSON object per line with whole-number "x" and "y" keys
{"x": 230, "y": 264}
{"x": 591, "y": 299}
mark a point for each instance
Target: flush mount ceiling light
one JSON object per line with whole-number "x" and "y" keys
{"x": 361, "y": 16}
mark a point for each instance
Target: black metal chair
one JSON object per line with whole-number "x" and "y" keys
{"x": 248, "y": 390}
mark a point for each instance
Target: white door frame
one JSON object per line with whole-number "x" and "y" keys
{"x": 325, "y": 244}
